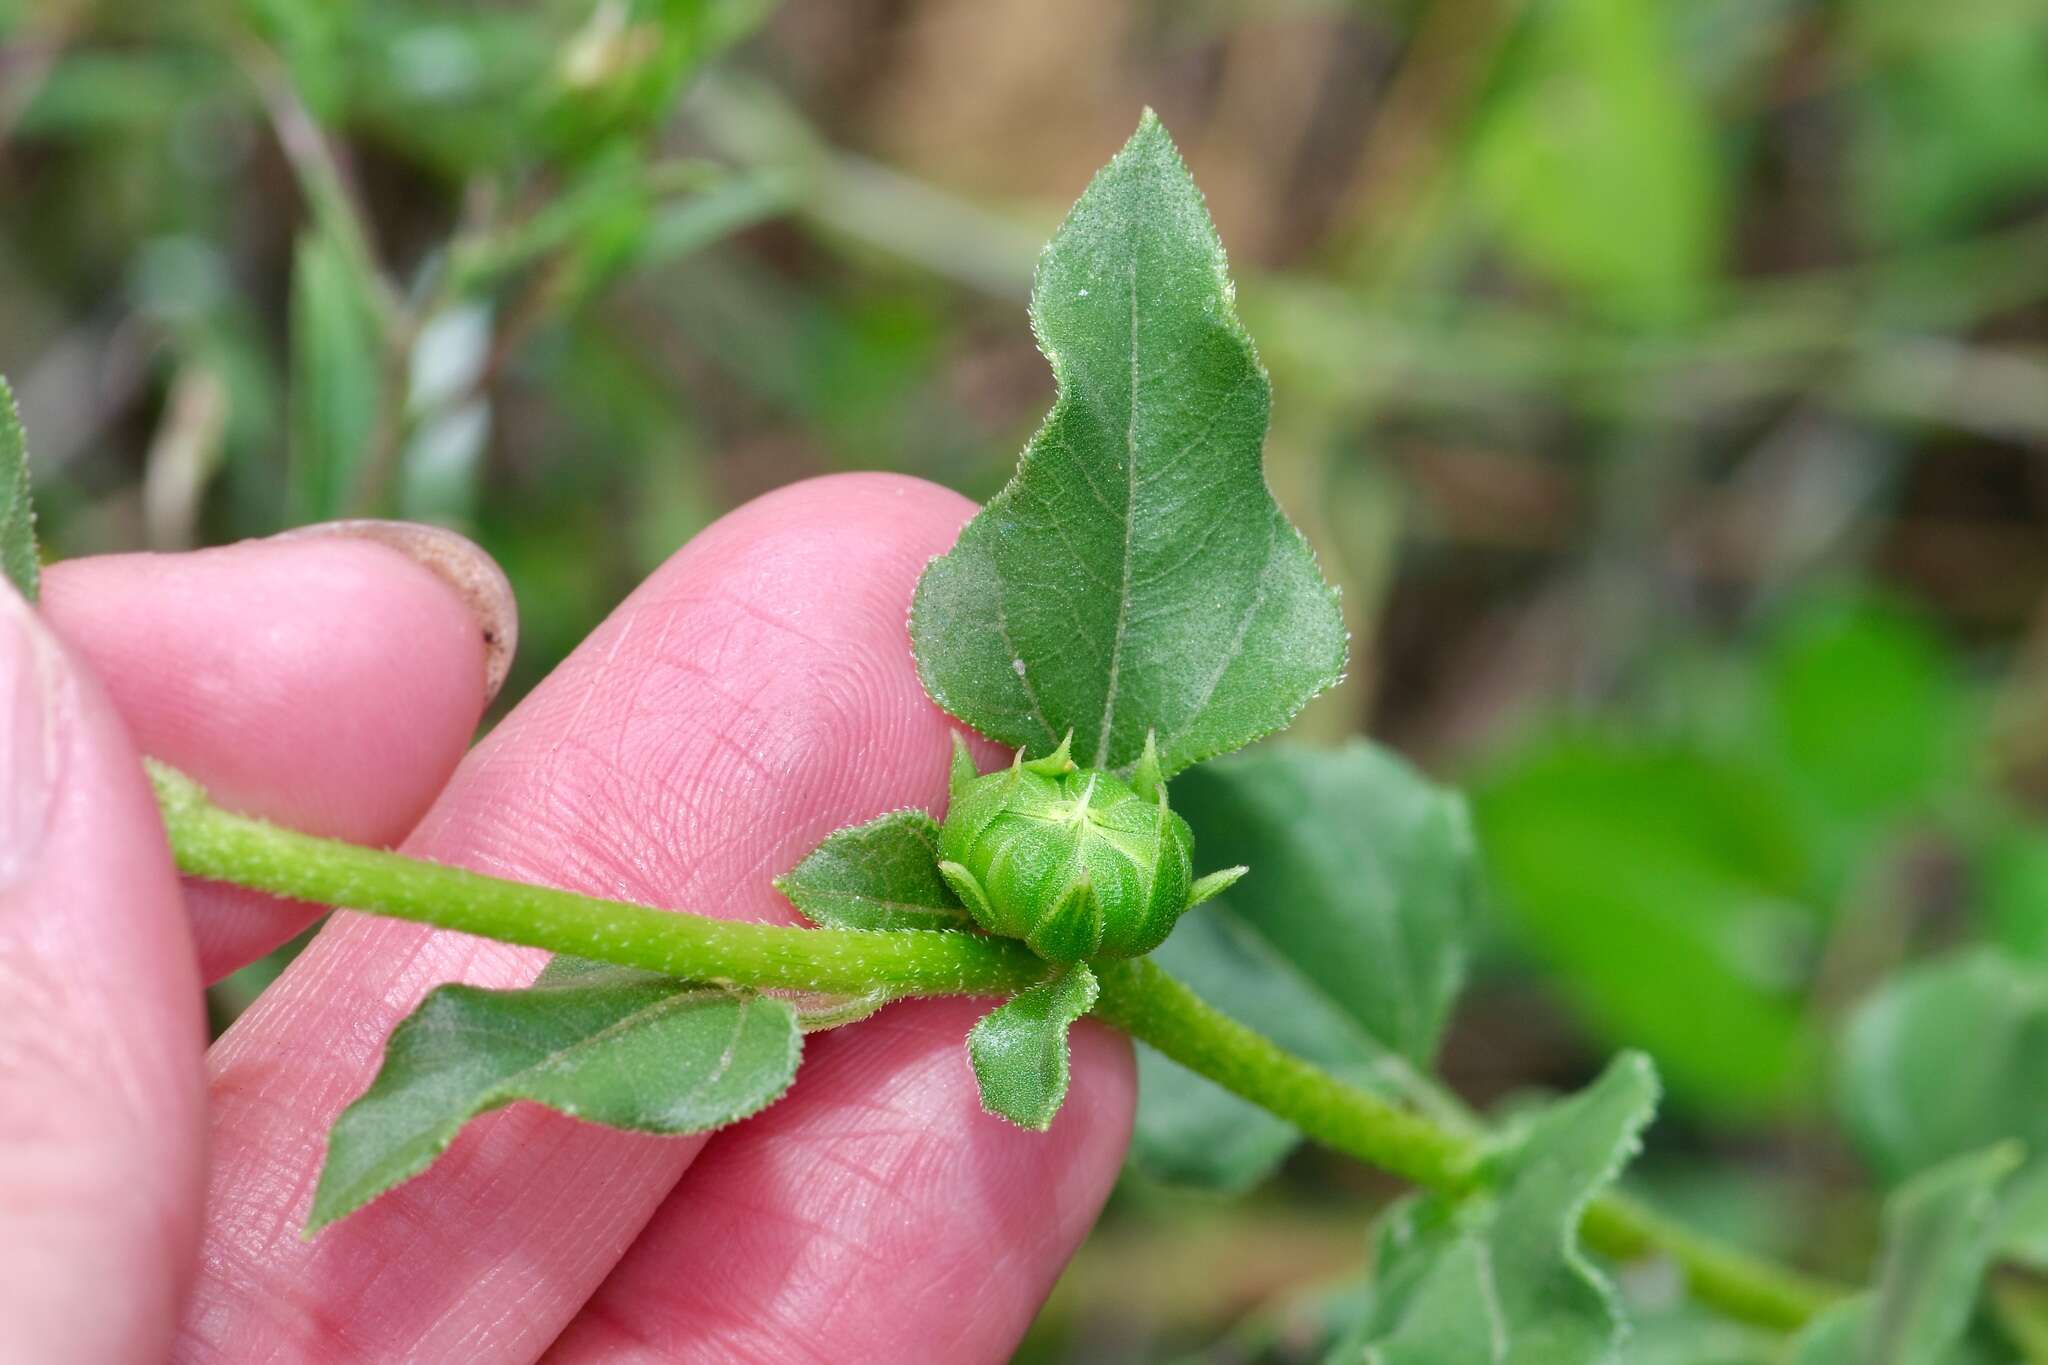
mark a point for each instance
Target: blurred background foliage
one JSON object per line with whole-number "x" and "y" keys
{"x": 1666, "y": 384}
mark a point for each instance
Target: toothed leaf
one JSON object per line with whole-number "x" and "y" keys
{"x": 625, "y": 1048}
{"x": 1501, "y": 1276}
{"x": 1019, "y": 1049}
{"x": 881, "y": 875}
{"x": 1136, "y": 575}
{"x": 17, "y": 510}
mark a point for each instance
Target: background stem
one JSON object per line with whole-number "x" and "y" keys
{"x": 1138, "y": 997}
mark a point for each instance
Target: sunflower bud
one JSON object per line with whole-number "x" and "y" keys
{"x": 1077, "y": 862}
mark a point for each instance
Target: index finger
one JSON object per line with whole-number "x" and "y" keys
{"x": 751, "y": 697}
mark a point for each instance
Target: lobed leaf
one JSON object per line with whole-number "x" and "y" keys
{"x": 625, "y": 1048}
{"x": 1019, "y": 1049}
{"x": 1136, "y": 575}
{"x": 1347, "y": 942}
{"x": 880, "y": 875}
{"x": 1939, "y": 1233}
{"x": 17, "y": 508}
{"x": 1500, "y": 1277}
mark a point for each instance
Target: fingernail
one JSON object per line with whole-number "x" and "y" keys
{"x": 32, "y": 688}
{"x": 455, "y": 560}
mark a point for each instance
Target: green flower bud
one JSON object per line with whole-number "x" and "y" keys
{"x": 1077, "y": 862}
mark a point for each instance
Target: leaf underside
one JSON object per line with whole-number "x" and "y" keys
{"x": 616, "y": 1046}
{"x": 1347, "y": 944}
{"x": 17, "y": 510}
{"x": 1502, "y": 1278}
{"x": 1019, "y": 1049}
{"x": 1136, "y": 575}
{"x": 880, "y": 875}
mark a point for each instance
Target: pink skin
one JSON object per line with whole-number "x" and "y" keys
{"x": 230, "y": 664}
{"x": 102, "y": 1110}
{"x": 753, "y": 695}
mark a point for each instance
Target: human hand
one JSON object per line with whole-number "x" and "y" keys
{"x": 754, "y": 695}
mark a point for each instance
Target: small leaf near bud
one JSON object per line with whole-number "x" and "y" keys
{"x": 1019, "y": 1049}
{"x": 1146, "y": 779}
{"x": 963, "y": 770}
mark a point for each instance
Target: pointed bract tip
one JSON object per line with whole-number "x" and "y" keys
{"x": 1215, "y": 884}
{"x": 1060, "y": 760}
{"x": 1146, "y": 778}
{"x": 963, "y": 770}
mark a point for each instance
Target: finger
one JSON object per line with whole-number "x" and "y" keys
{"x": 329, "y": 683}
{"x": 876, "y": 1214}
{"x": 751, "y": 697}
{"x": 101, "y": 1107}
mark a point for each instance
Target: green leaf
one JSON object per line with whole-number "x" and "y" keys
{"x": 1939, "y": 1232}
{"x": 336, "y": 387}
{"x": 1642, "y": 875}
{"x": 1346, "y": 943}
{"x": 17, "y": 508}
{"x": 1946, "y": 125}
{"x": 881, "y": 875}
{"x": 625, "y": 1048}
{"x": 1019, "y": 1049}
{"x": 1598, "y": 165}
{"x": 1500, "y": 1276}
{"x": 1865, "y": 705}
{"x": 1949, "y": 1058}
{"x": 1136, "y": 574}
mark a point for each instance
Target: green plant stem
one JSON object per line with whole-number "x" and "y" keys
{"x": 1144, "y": 1001}
{"x": 1137, "y": 997}
{"x": 210, "y": 842}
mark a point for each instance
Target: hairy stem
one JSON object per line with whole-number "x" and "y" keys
{"x": 1144, "y": 1001}
{"x": 210, "y": 842}
{"x": 1137, "y": 997}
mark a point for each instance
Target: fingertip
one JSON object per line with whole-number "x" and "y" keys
{"x": 328, "y": 684}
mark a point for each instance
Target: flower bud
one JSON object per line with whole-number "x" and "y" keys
{"x": 1077, "y": 862}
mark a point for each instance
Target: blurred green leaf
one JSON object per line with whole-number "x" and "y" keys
{"x": 17, "y": 506}
{"x": 1646, "y": 875}
{"x": 336, "y": 380}
{"x": 1938, "y": 1240}
{"x": 1019, "y": 1049}
{"x": 1688, "y": 1335}
{"x": 1949, "y": 1057}
{"x": 1948, "y": 114}
{"x": 1597, "y": 163}
{"x": 1136, "y": 577}
{"x": 1362, "y": 878}
{"x": 881, "y": 875}
{"x": 1865, "y": 706}
{"x": 620, "y": 73}
{"x": 2012, "y": 876}
{"x": 624, "y": 1048}
{"x": 1347, "y": 942}
{"x": 1500, "y": 1276}
{"x": 91, "y": 93}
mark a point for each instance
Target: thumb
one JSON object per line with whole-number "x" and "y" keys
{"x": 101, "y": 1029}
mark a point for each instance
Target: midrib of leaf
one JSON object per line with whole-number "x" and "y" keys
{"x": 554, "y": 1059}
{"x": 1123, "y": 602}
{"x": 1027, "y": 630}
